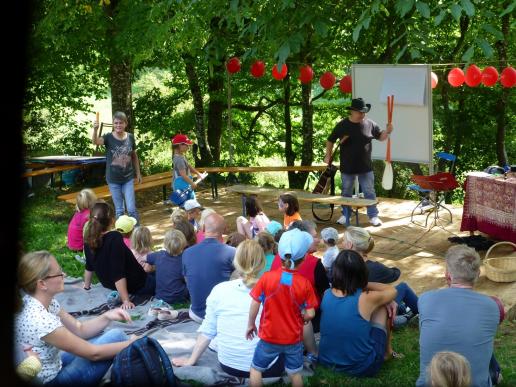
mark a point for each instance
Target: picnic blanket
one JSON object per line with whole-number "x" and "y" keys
{"x": 177, "y": 337}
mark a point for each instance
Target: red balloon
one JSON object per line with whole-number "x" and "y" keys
{"x": 456, "y": 77}
{"x": 258, "y": 69}
{"x": 345, "y": 84}
{"x": 279, "y": 75}
{"x": 473, "y": 76}
{"x": 508, "y": 77}
{"x": 327, "y": 80}
{"x": 306, "y": 74}
{"x": 233, "y": 65}
{"x": 434, "y": 79}
{"x": 489, "y": 76}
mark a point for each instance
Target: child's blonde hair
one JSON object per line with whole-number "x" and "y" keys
{"x": 177, "y": 214}
{"x": 360, "y": 238}
{"x": 449, "y": 369}
{"x": 174, "y": 242}
{"x": 249, "y": 261}
{"x": 85, "y": 199}
{"x": 141, "y": 239}
{"x": 266, "y": 241}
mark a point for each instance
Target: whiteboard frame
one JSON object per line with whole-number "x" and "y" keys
{"x": 370, "y": 92}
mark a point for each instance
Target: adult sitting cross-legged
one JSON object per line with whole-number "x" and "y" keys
{"x": 207, "y": 264}
{"x": 459, "y": 319}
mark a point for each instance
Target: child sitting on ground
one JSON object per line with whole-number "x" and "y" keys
{"x": 193, "y": 211}
{"x": 187, "y": 229}
{"x": 200, "y": 234}
{"x": 234, "y": 239}
{"x": 288, "y": 300}
{"x": 83, "y": 203}
{"x": 289, "y": 206}
{"x": 267, "y": 243}
{"x": 141, "y": 245}
{"x": 170, "y": 283}
{"x": 330, "y": 236}
{"x": 125, "y": 225}
{"x": 449, "y": 369}
{"x": 257, "y": 219}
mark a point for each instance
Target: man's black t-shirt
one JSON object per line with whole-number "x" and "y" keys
{"x": 378, "y": 272}
{"x": 355, "y": 152}
{"x": 114, "y": 261}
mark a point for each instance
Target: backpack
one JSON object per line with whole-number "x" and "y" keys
{"x": 143, "y": 363}
{"x": 179, "y": 197}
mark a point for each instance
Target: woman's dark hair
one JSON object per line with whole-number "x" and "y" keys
{"x": 187, "y": 229}
{"x": 349, "y": 272}
{"x": 101, "y": 219}
{"x": 293, "y": 204}
{"x": 252, "y": 206}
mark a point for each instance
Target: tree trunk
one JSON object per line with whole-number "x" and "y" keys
{"x": 290, "y": 156}
{"x": 205, "y": 158}
{"x": 121, "y": 93}
{"x": 503, "y": 99}
{"x": 215, "y": 110}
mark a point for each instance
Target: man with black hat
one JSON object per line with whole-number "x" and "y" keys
{"x": 355, "y": 133}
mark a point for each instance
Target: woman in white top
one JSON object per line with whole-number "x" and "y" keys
{"x": 49, "y": 329}
{"x": 257, "y": 219}
{"x": 227, "y": 313}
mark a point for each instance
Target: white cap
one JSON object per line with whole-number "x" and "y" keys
{"x": 191, "y": 204}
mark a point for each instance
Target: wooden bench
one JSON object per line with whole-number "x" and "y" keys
{"x": 354, "y": 203}
{"x": 157, "y": 180}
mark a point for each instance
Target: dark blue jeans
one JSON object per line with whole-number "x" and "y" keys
{"x": 407, "y": 296}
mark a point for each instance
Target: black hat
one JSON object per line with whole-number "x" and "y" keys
{"x": 359, "y": 105}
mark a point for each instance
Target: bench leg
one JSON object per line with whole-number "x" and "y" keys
{"x": 164, "y": 194}
{"x": 243, "y": 205}
{"x": 213, "y": 181}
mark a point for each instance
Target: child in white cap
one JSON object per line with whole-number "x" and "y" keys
{"x": 288, "y": 301}
{"x": 330, "y": 236}
{"x": 193, "y": 211}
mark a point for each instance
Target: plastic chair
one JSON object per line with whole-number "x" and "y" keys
{"x": 432, "y": 189}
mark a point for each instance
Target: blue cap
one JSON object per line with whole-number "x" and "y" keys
{"x": 294, "y": 242}
{"x": 273, "y": 227}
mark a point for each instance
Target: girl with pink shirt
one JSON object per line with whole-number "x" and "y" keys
{"x": 257, "y": 219}
{"x": 141, "y": 245}
{"x": 84, "y": 202}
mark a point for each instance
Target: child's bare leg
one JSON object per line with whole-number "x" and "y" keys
{"x": 380, "y": 317}
{"x": 255, "y": 378}
{"x": 296, "y": 379}
{"x": 309, "y": 338}
{"x": 244, "y": 227}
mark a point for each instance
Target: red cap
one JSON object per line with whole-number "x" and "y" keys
{"x": 181, "y": 139}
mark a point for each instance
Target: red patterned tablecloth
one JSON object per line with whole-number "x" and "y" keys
{"x": 490, "y": 206}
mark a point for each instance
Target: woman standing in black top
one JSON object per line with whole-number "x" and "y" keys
{"x": 112, "y": 261}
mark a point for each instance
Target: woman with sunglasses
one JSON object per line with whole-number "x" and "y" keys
{"x": 71, "y": 351}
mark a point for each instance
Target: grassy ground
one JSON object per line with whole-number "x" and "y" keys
{"x": 44, "y": 225}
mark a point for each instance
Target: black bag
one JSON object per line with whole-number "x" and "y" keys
{"x": 143, "y": 363}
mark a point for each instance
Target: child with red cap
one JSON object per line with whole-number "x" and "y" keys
{"x": 182, "y": 170}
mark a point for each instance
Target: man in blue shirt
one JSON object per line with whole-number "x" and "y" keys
{"x": 207, "y": 264}
{"x": 459, "y": 319}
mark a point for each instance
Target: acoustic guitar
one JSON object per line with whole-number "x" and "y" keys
{"x": 323, "y": 185}
{"x": 324, "y": 212}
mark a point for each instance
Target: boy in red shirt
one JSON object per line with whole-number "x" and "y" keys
{"x": 288, "y": 302}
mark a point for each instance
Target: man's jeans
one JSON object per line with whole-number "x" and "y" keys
{"x": 366, "y": 181}
{"x": 124, "y": 193}
{"x": 78, "y": 371}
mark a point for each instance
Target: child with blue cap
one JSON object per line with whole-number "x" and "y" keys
{"x": 288, "y": 302}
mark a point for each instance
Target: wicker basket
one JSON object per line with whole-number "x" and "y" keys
{"x": 502, "y": 269}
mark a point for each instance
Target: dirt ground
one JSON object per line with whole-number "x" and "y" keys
{"x": 417, "y": 251}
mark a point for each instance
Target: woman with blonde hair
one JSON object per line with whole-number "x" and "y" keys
{"x": 227, "y": 312}
{"x": 449, "y": 369}
{"x": 359, "y": 240}
{"x": 71, "y": 352}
